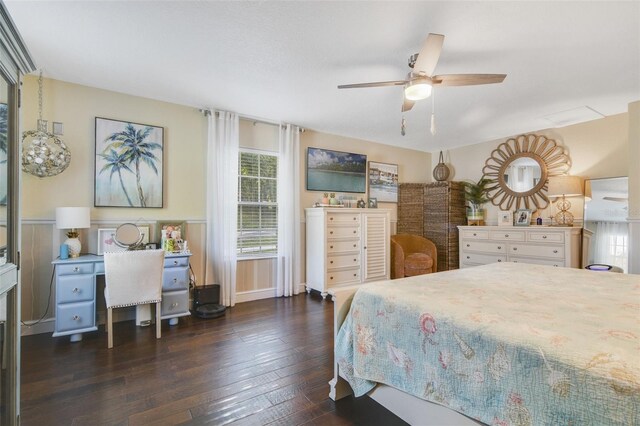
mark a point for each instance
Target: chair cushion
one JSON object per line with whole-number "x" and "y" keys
{"x": 417, "y": 264}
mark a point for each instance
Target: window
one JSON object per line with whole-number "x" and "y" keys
{"x": 257, "y": 204}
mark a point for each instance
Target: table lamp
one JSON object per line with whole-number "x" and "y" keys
{"x": 73, "y": 218}
{"x": 564, "y": 186}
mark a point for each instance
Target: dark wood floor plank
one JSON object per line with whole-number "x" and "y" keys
{"x": 264, "y": 362}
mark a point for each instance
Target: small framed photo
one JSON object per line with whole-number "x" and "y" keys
{"x": 523, "y": 217}
{"x": 373, "y": 203}
{"x": 505, "y": 218}
{"x": 106, "y": 242}
{"x": 172, "y": 227}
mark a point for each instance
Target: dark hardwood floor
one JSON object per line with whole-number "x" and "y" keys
{"x": 264, "y": 362}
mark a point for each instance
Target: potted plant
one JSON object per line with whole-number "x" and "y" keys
{"x": 476, "y": 196}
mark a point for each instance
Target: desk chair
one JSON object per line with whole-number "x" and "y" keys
{"x": 133, "y": 278}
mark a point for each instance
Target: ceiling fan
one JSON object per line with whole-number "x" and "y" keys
{"x": 420, "y": 81}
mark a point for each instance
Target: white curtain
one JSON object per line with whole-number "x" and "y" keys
{"x": 611, "y": 245}
{"x": 288, "y": 261}
{"x": 222, "y": 204}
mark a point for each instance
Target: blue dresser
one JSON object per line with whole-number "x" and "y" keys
{"x": 76, "y": 292}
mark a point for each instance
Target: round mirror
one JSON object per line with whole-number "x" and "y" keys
{"x": 127, "y": 235}
{"x": 518, "y": 170}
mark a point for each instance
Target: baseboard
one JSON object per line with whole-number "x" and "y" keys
{"x": 31, "y": 328}
{"x": 302, "y": 287}
{"x": 248, "y": 296}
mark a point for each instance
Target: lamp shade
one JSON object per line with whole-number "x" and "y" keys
{"x": 564, "y": 185}
{"x": 72, "y": 217}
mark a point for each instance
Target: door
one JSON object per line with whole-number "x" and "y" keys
{"x": 376, "y": 247}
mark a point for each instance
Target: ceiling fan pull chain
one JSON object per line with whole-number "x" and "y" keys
{"x": 433, "y": 113}
{"x": 403, "y": 126}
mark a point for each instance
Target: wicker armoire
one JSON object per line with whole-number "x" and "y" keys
{"x": 434, "y": 210}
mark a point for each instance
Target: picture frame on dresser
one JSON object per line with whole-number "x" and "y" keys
{"x": 505, "y": 218}
{"x": 523, "y": 217}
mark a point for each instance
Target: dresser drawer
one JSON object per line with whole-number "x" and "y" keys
{"x": 484, "y": 246}
{"x": 507, "y": 235}
{"x": 343, "y": 246}
{"x": 175, "y": 261}
{"x": 343, "y": 232}
{"x": 342, "y": 261}
{"x": 74, "y": 269}
{"x": 475, "y": 235}
{"x": 75, "y": 288}
{"x": 343, "y": 218}
{"x": 481, "y": 259}
{"x": 75, "y": 316}
{"x": 342, "y": 277}
{"x": 547, "y": 237}
{"x": 175, "y": 279}
{"x": 553, "y": 251}
{"x": 174, "y": 303}
{"x": 536, "y": 261}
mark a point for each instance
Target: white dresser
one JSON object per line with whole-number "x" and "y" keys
{"x": 544, "y": 245}
{"x": 346, "y": 246}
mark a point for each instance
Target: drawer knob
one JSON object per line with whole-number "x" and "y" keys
{"x": 515, "y": 248}
{"x": 76, "y": 290}
{"x": 506, "y": 235}
{"x": 330, "y": 278}
{"x": 499, "y": 247}
{"x": 331, "y": 261}
{"x": 354, "y": 275}
{"x": 355, "y": 260}
{"x": 354, "y": 245}
{"x": 544, "y": 237}
{"x": 555, "y": 266}
{"x": 354, "y": 218}
{"x": 331, "y": 232}
{"x": 555, "y": 251}
{"x": 76, "y": 269}
{"x": 499, "y": 260}
{"x": 175, "y": 280}
{"x": 174, "y": 305}
{"x": 468, "y": 257}
{"x": 175, "y": 262}
{"x": 330, "y": 246}
{"x": 330, "y": 218}
{"x": 474, "y": 234}
{"x": 515, "y": 261}
{"x": 76, "y": 318}
{"x": 468, "y": 245}
{"x": 354, "y": 232}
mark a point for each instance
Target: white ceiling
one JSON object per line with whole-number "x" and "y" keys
{"x": 283, "y": 60}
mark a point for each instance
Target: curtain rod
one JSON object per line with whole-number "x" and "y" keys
{"x": 255, "y": 120}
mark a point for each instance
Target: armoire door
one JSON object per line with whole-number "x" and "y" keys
{"x": 375, "y": 247}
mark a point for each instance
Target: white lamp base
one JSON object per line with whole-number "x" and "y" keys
{"x": 74, "y": 246}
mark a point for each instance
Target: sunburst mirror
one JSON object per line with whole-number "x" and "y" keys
{"x": 518, "y": 170}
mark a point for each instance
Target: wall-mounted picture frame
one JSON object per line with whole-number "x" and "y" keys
{"x": 523, "y": 217}
{"x": 373, "y": 203}
{"x": 383, "y": 182}
{"x": 4, "y": 139}
{"x": 336, "y": 171}
{"x": 106, "y": 242}
{"x": 165, "y": 228}
{"x": 505, "y": 218}
{"x": 128, "y": 164}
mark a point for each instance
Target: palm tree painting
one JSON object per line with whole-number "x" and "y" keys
{"x": 129, "y": 164}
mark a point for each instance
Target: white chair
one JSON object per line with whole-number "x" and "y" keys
{"x": 133, "y": 278}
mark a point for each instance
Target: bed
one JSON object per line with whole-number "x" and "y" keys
{"x": 503, "y": 344}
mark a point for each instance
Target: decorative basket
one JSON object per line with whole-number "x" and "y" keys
{"x": 441, "y": 171}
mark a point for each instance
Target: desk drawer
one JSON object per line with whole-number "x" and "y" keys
{"x": 343, "y": 232}
{"x": 75, "y": 316}
{"x": 75, "y": 269}
{"x": 171, "y": 262}
{"x": 552, "y": 251}
{"x": 175, "y": 279}
{"x": 174, "y": 303}
{"x": 507, "y": 235}
{"x": 75, "y": 288}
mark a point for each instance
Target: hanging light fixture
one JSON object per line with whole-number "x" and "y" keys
{"x": 43, "y": 154}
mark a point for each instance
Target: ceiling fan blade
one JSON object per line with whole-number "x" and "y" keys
{"x": 467, "y": 79}
{"x": 429, "y": 54}
{"x": 407, "y": 105}
{"x": 375, "y": 84}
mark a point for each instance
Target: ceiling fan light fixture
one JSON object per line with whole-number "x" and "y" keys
{"x": 418, "y": 89}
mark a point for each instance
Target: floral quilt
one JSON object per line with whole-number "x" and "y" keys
{"x": 506, "y": 344}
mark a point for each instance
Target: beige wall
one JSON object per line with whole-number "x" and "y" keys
{"x": 634, "y": 187}
{"x": 184, "y": 183}
{"x": 597, "y": 149}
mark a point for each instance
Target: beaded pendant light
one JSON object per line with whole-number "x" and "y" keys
{"x": 43, "y": 154}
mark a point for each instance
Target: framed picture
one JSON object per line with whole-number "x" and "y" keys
{"x": 523, "y": 217}
{"x": 128, "y": 164}
{"x": 144, "y": 231}
{"x": 336, "y": 171}
{"x": 383, "y": 182}
{"x": 505, "y": 218}
{"x": 106, "y": 241}
{"x": 4, "y": 129}
{"x": 373, "y": 203}
{"x": 166, "y": 228}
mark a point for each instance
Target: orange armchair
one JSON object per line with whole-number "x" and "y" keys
{"x": 412, "y": 255}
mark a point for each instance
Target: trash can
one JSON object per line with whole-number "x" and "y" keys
{"x": 206, "y": 301}
{"x": 603, "y": 268}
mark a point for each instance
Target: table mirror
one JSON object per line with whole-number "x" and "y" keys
{"x": 128, "y": 236}
{"x": 518, "y": 170}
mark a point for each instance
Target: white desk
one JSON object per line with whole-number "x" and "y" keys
{"x": 76, "y": 292}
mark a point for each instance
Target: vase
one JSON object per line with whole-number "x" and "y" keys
{"x": 333, "y": 200}
{"x": 325, "y": 199}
